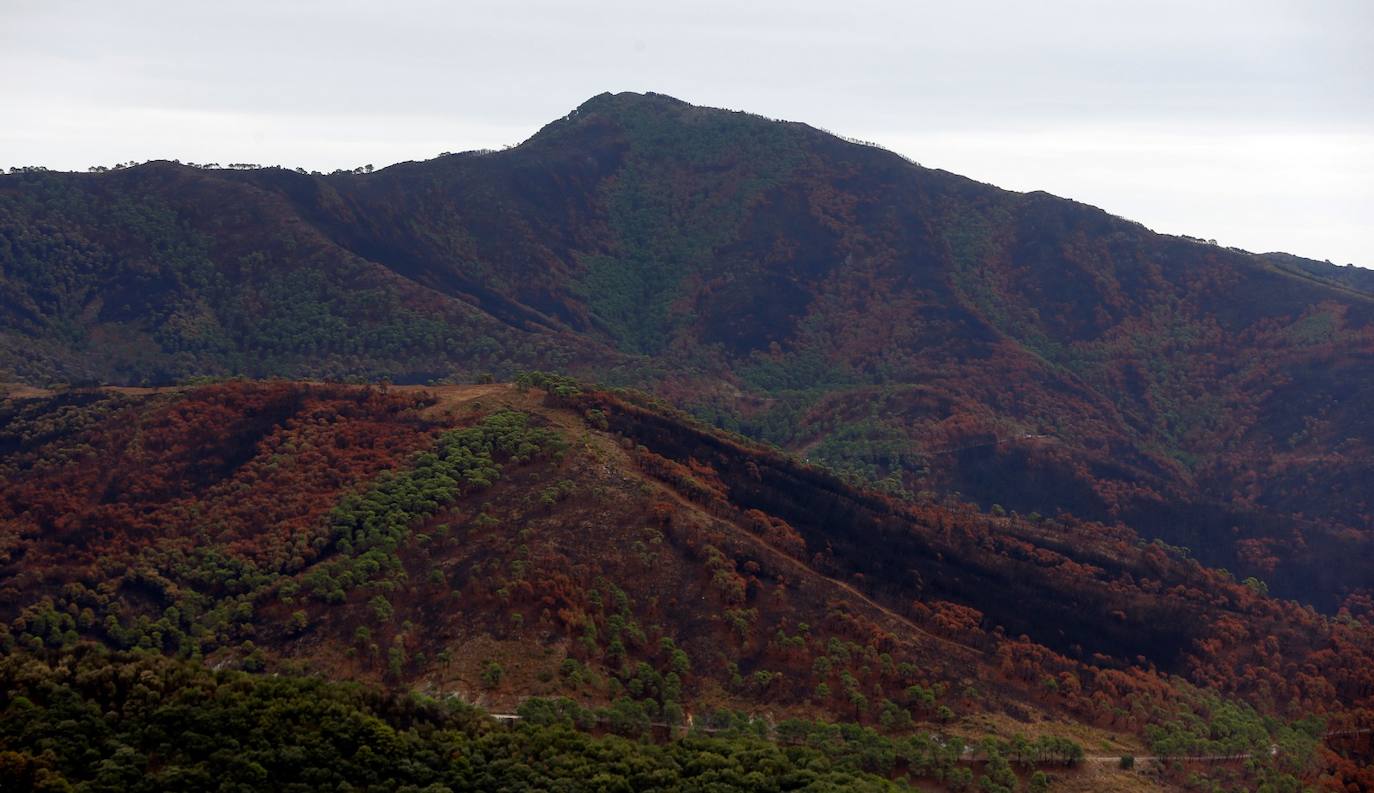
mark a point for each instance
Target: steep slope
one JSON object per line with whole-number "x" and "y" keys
{"x": 899, "y": 322}
{"x": 498, "y": 543}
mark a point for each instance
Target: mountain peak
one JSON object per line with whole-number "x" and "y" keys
{"x": 629, "y": 110}
{"x": 608, "y": 102}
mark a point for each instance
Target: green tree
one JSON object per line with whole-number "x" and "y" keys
{"x": 492, "y": 674}
{"x": 381, "y": 608}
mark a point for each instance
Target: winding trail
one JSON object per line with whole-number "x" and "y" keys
{"x": 1217, "y": 758}
{"x": 969, "y": 755}
{"x": 1185, "y": 758}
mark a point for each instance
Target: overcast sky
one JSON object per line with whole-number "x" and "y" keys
{"x": 1251, "y": 121}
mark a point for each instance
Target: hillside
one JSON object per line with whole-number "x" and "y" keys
{"x": 494, "y": 543}
{"x": 901, "y": 323}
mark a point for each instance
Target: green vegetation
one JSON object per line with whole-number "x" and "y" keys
{"x": 187, "y": 305}
{"x": 1280, "y": 754}
{"x": 662, "y": 229}
{"x": 87, "y": 722}
{"x": 191, "y": 601}
{"x": 368, "y": 529}
{"x": 551, "y": 383}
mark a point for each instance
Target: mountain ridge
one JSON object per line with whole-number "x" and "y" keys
{"x": 906, "y": 324}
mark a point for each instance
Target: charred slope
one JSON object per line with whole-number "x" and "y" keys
{"x": 498, "y": 543}
{"x": 899, "y": 322}
{"x": 903, "y": 556}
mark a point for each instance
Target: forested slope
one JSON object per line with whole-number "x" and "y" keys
{"x": 902, "y": 323}
{"x": 495, "y": 543}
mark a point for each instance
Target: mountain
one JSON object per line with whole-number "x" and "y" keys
{"x": 493, "y": 543}
{"x": 904, "y": 324}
